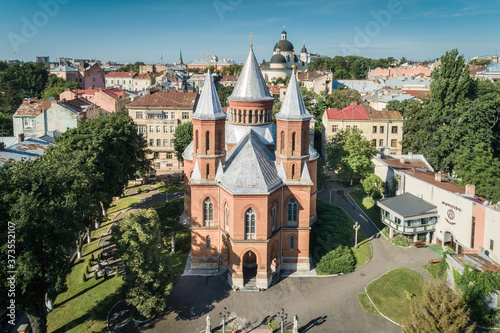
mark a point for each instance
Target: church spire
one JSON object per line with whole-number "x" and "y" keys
{"x": 180, "y": 57}
{"x": 293, "y": 108}
{"x": 209, "y": 107}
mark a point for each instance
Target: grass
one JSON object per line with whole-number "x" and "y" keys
{"x": 172, "y": 188}
{"x": 373, "y": 213}
{"x": 123, "y": 203}
{"x": 433, "y": 270}
{"x": 388, "y": 293}
{"x": 364, "y": 251}
{"x": 367, "y": 305}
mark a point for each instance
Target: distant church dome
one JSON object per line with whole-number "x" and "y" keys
{"x": 304, "y": 50}
{"x": 278, "y": 59}
{"x": 284, "y": 45}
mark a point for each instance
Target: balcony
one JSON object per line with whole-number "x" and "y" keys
{"x": 412, "y": 229}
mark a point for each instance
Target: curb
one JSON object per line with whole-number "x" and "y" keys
{"x": 107, "y": 319}
{"x": 369, "y": 219}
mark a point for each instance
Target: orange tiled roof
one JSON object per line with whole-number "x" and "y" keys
{"x": 121, "y": 74}
{"x": 32, "y": 108}
{"x": 166, "y": 100}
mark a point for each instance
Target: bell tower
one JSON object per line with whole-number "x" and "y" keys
{"x": 209, "y": 131}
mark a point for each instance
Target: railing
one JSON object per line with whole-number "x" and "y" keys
{"x": 161, "y": 121}
{"x": 409, "y": 229}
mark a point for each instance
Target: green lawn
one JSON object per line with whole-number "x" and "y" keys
{"x": 123, "y": 203}
{"x": 433, "y": 270}
{"x": 367, "y": 305}
{"x": 84, "y": 306}
{"x": 388, "y": 293}
{"x": 373, "y": 213}
{"x": 172, "y": 188}
{"x": 364, "y": 251}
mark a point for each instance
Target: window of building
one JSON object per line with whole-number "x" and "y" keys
{"x": 138, "y": 115}
{"x": 165, "y": 142}
{"x": 172, "y": 115}
{"x": 165, "y": 129}
{"x": 169, "y": 156}
{"x": 250, "y": 224}
{"x": 141, "y": 129}
{"x": 381, "y": 129}
{"x": 157, "y": 156}
{"x": 292, "y": 243}
{"x": 208, "y": 212}
{"x": 282, "y": 141}
{"x": 185, "y": 115}
{"x": 165, "y": 115}
{"x": 226, "y": 216}
{"x": 273, "y": 218}
{"x": 294, "y": 136}
{"x": 207, "y": 141}
{"x": 208, "y": 242}
{"x": 374, "y": 142}
{"x": 172, "y": 143}
{"x": 151, "y": 129}
{"x": 158, "y": 129}
{"x": 29, "y": 123}
{"x": 355, "y": 127}
{"x": 394, "y": 130}
{"x": 381, "y": 142}
{"x": 172, "y": 129}
{"x": 394, "y": 143}
{"x": 292, "y": 212}
{"x": 158, "y": 142}
{"x": 374, "y": 129}
{"x": 335, "y": 128}
{"x": 151, "y": 142}
{"x": 491, "y": 244}
{"x": 348, "y": 126}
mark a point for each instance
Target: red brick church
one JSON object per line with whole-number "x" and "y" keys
{"x": 250, "y": 193}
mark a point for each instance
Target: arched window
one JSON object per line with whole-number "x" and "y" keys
{"x": 292, "y": 243}
{"x": 273, "y": 218}
{"x": 292, "y": 212}
{"x": 226, "y": 210}
{"x": 293, "y": 142}
{"x": 250, "y": 224}
{"x": 220, "y": 141}
{"x": 196, "y": 142}
{"x": 217, "y": 144}
{"x": 208, "y": 242}
{"x": 208, "y": 212}
{"x": 282, "y": 142}
{"x": 293, "y": 171}
{"x": 207, "y": 141}
{"x": 208, "y": 170}
{"x": 250, "y": 116}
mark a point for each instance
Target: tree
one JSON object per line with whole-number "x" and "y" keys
{"x": 276, "y": 109}
{"x": 56, "y": 85}
{"x": 349, "y": 154}
{"x": 131, "y": 67}
{"x": 183, "y": 136}
{"x": 169, "y": 214}
{"x": 341, "y": 98}
{"x": 441, "y": 310}
{"x": 149, "y": 276}
{"x": 224, "y": 93}
{"x": 373, "y": 184}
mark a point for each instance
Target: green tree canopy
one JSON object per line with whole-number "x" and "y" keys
{"x": 56, "y": 85}
{"x": 183, "y": 136}
{"x": 224, "y": 93}
{"x": 373, "y": 184}
{"x": 135, "y": 67}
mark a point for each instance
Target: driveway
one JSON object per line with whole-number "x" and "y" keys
{"x": 323, "y": 304}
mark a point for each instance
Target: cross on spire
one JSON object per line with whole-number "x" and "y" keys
{"x": 251, "y": 36}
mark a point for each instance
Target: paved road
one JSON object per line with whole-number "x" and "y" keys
{"x": 323, "y": 304}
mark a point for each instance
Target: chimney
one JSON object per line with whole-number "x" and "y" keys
{"x": 20, "y": 137}
{"x": 54, "y": 101}
{"x": 438, "y": 177}
{"x": 27, "y": 101}
{"x": 410, "y": 155}
{"x": 470, "y": 189}
{"x": 402, "y": 160}
{"x": 2, "y": 146}
{"x": 354, "y": 103}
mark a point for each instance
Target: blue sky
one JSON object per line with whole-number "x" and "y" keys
{"x": 129, "y": 31}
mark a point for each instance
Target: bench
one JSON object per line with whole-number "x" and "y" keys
{"x": 435, "y": 261}
{"x": 419, "y": 244}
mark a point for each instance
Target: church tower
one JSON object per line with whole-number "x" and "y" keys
{"x": 292, "y": 148}
{"x": 209, "y": 132}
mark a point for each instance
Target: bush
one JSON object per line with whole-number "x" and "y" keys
{"x": 368, "y": 202}
{"x": 400, "y": 240}
{"x": 95, "y": 274}
{"x": 87, "y": 269}
{"x": 340, "y": 260}
{"x": 116, "y": 272}
{"x": 91, "y": 257}
{"x": 84, "y": 277}
{"x": 162, "y": 190}
{"x": 105, "y": 274}
{"x": 139, "y": 190}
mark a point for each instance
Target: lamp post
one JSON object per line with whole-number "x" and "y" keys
{"x": 282, "y": 316}
{"x": 224, "y": 317}
{"x": 166, "y": 193}
{"x": 356, "y": 227}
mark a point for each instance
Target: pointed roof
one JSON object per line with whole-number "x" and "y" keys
{"x": 306, "y": 176}
{"x": 250, "y": 168}
{"x": 293, "y": 107}
{"x": 220, "y": 172}
{"x": 196, "y": 175}
{"x": 209, "y": 107}
{"x": 251, "y": 85}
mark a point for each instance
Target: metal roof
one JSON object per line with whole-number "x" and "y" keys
{"x": 235, "y": 133}
{"x": 209, "y": 107}
{"x": 251, "y": 85}
{"x": 293, "y": 107}
{"x": 407, "y": 205}
{"x": 29, "y": 149}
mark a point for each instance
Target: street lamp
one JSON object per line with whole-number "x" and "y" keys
{"x": 356, "y": 227}
{"x": 282, "y": 316}
{"x": 224, "y": 315}
{"x": 166, "y": 193}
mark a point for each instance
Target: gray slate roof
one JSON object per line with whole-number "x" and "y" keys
{"x": 29, "y": 149}
{"x": 209, "y": 107}
{"x": 188, "y": 152}
{"x": 407, "y": 205}
{"x": 250, "y": 168}
{"x": 251, "y": 85}
{"x": 235, "y": 133}
{"x": 293, "y": 107}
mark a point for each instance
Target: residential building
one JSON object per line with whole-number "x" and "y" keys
{"x": 110, "y": 100}
{"x": 156, "y": 116}
{"x": 429, "y": 205}
{"x": 316, "y": 82}
{"x": 228, "y": 80}
{"x": 88, "y": 77}
{"x": 122, "y": 80}
{"x": 250, "y": 185}
{"x": 492, "y": 72}
{"x": 400, "y": 71}
{"x": 29, "y": 149}
{"x": 383, "y": 128}
{"x": 141, "y": 82}
{"x": 214, "y": 61}
{"x": 44, "y": 60}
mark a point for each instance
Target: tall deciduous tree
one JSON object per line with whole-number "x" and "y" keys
{"x": 149, "y": 276}
{"x": 373, "y": 184}
{"x": 441, "y": 310}
{"x": 224, "y": 93}
{"x": 183, "y": 136}
{"x": 56, "y": 85}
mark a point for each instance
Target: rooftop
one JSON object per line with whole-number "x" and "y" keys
{"x": 407, "y": 205}
{"x": 29, "y": 149}
{"x": 76, "y": 105}
{"x": 361, "y": 112}
{"x": 183, "y": 100}
{"x": 32, "y": 108}
{"x": 121, "y": 74}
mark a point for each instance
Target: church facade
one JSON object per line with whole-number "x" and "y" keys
{"x": 250, "y": 191}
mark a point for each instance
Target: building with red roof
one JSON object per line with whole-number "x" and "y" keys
{"x": 383, "y": 128}
{"x": 122, "y": 80}
{"x": 110, "y": 100}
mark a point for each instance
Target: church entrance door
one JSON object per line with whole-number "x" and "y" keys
{"x": 249, "y": 269}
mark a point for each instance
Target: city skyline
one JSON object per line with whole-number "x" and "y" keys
{"x": 113, "y": 31}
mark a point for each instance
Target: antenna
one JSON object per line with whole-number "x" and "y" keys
{"x": 161, "y": 58}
